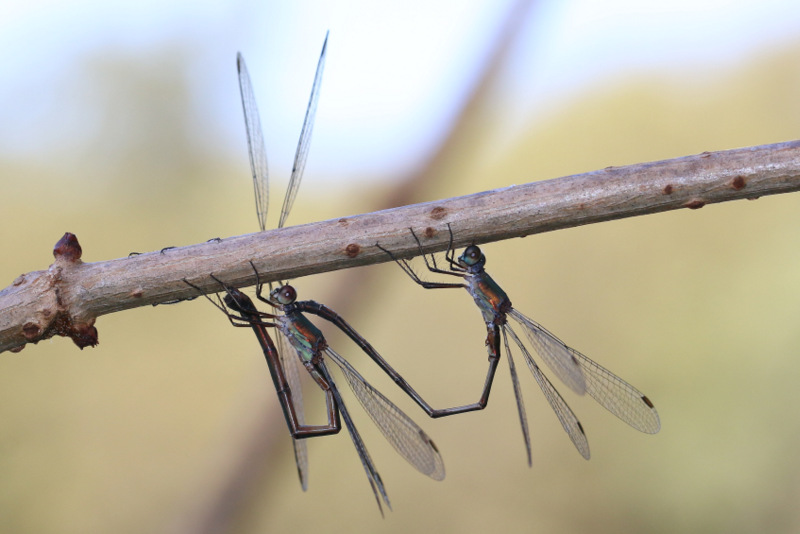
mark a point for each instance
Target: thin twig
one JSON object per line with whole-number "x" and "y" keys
{"x": 73, "y": 293}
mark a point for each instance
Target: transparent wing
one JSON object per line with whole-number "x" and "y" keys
{"x": 290, "y": 363}
{"x": 555, "y": 353}
{"x": 565, "y": 415}
{"x": 255, "y": 143}
{"x": 372, "y": 473}
{"x": 612, "y": 392}
{"x": 618, "y": 397}
{"x": 406, "y": 437}
{"x": 301, "y": 154}
{"x": 523, "y": 419}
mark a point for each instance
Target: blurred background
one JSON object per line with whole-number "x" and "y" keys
{"x": 121, "y": 123}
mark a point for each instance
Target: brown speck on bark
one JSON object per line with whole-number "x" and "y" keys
{"x": 137, "y": 293}
{"x": 17, "y": 349}
{"x": 668, "y": 189}
{"x": 68, "y": 248}
{"x": 738, "y": 183}
{"x": 343, "y": 222}
{"x": 438, "y": 213}
{"x": 352, "y": 250}
{"x": 695, "y": 204}
{"x": 31, "y": 331}
{"x": 429, "y": 232}
{"x": 84, "y": 336}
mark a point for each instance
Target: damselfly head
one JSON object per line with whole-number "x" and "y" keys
{"x": 472, "y": 257}
{"x": 283, "y": 295}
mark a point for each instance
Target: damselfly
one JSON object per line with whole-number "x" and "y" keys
{"x": 310, "y": 347}
{"x": 578, "y": 372}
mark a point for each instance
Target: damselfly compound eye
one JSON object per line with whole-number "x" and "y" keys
{"x": 472, "y": 255}
{"x": 286, "y": 294}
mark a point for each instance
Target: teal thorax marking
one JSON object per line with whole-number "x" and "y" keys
{"x": 306, "y": 338}
{"x": 490, "y": 298}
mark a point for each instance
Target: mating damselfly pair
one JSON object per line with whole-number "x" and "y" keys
{"x": 301, "y": 344}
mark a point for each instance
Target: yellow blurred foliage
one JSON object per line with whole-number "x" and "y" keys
{"x": 699, "y": 309}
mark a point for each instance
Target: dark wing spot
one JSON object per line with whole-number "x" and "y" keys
{"x": 428, "y": 440}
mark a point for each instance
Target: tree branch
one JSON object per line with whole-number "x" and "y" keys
{"x": 68, "y": 297}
